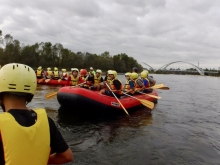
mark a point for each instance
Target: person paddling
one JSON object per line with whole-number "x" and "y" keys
{"x": 49, "y": 73}
{"x": 39, "y": 72}
{"x": 28, "y": 137}
{"x": 74, "y": 78}
{"x": 56, "y": 74}
{"x": 115, "y": 85}
{"x": 129, "y": 86}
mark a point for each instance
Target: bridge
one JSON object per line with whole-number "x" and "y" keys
{"x": 193, "y": 69}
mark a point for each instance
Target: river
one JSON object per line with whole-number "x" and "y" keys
{"x": 183, "y": 128}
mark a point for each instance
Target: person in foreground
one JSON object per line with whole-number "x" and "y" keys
{"x": 26, "y": 136}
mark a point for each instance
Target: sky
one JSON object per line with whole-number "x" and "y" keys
{"x": 152, "y": 31}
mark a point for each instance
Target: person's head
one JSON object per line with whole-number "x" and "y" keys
{"x": 98, "y": 72}
{"x": 112, "y": 74}
{"x": 75, "y": 72}
{"x": 83, "y": 72}
{"x": 48, "y": 69}
{"x": 144, "y": 74}
{"x": 55, "y": 69}
{"x": 63, "y": 70}
{"x": 127, "y": 75}
{"x": 91, "y": 69}
{"x": 17, "y": 84}
{"x": 39, "y": 68}
{"x": 134, "y": 76}
{"x": 135, "y": 69}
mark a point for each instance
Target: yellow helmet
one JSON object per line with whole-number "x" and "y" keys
{"x": 22, "y": 79}
{"x": 113, "y": 72}
{"x": 55, "y": 68}
{"x": 98, "y": 71}
{"x": 48, "y": 69}
{"x": 146, "y": 71}
{"x": 134, "y": 75}
{"x": 63, "y": 70}
{"x": 144, "y": 74}
{"x": 39, "y": 68}
{"x": 128, "y": 74}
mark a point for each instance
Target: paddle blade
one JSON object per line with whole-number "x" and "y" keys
{"x": 147, "y": 103}
{"x": 47, "y": 80}
{"x": 50, "y": 95}
{"x": 40, "y": 81}
{"x": 153, "y": 96}
{"x": 157, "y": 86}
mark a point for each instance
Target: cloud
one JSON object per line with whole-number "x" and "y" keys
{"x": 154, "y": 31}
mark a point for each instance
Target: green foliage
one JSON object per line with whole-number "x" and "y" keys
{"x": 47, "y": 55}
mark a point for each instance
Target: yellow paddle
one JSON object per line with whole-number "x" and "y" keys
{"x": 160, "y": 86}
{"x": 153, "y": 96}
{"x": 41, "y": 80}
{"x": 146, "y": 103}
{"x": 117, "y": 99}
{"x": 47, "y": 80}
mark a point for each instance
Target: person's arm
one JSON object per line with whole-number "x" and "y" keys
{"x": 60, "y": 158}
{"x": 60, "y": 151}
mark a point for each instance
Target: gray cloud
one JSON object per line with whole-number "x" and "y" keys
{"x": 153, "y": 31}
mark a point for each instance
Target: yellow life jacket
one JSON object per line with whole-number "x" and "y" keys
{"x": 56, "y": 74}
{"x": 74, "y": 80}
{"x": 39, "y": 73}
{"x": 25, "y": 145}
{"x": 97, "y": 80}
{"x": 49, "y": 73}
{"x": 113, "y": 87}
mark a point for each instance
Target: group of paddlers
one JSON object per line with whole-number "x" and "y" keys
{"x": 93, "y": 80}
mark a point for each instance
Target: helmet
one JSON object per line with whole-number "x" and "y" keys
{"x": 75, "y": 69}
{"x": 63, "y": 70}
{"x": 39, "y": 68}
{"x": 91, "y": 68}
{"x": 48, "y": 69}
{"x": 22, "y": 79}
{"x": 146, "y": 71}
{"x": 55, "y": 68}
{"x": 144, "y": 74}
{"x": 112, "y": 72}
{"x": 128, "y": 74}
{"x": 135, "y": 69}
{"x": 98, "y": 71}
{"x": 83, "y": 71}
{"x": 115, "y": 73}
{"x": 134, "y": 75}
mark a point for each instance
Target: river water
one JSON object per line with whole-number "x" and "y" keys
{"x": 183, "y": 128}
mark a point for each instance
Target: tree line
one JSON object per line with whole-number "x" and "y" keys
{"x": 46, "y": 54}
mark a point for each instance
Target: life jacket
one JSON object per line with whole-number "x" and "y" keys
{"x": 74, "y": 80}
{"x": 137, "y": 86}
{"x": 97, "y": 80}
{"x": 39, "y": 73}
{"x": 148, "y": 84}
{"x": 49, "y": 74}
{"x": 113, "y": 87}
{"x": 56, "y": 74}
{"x": 25, "y": 145}
{"x": 127, "y": 86}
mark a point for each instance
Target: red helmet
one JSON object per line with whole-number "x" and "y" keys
{"x": 83, "y": 71}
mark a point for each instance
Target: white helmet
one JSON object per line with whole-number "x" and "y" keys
{"x": 75, "y": 69}
{"x": 98, "y": 71}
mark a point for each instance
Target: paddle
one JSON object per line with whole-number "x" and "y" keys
{"x": 52, "y": 94}
{"x": 117, "y": 99}
{"x": 156, "y": 97}
{"x": 146, "y": 103}
{"x": 41, "y": 80}
{"x": 47, "y": 80}
{"x": 160, "y": 86}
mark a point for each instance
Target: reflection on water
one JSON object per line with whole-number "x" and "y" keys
{"x": 184, "y": 127}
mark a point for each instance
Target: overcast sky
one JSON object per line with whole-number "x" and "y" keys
{"x": 152, "y": 31}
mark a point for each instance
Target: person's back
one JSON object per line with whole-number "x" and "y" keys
{"x": 27, "y": 136}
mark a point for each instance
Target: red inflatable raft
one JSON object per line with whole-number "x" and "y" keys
{"x": 84, "y": 99}
{"x": 51, "y": 82}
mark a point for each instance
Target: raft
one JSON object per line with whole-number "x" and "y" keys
{"x": 51, "y": 82}
{"x": 77, "y": 98}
